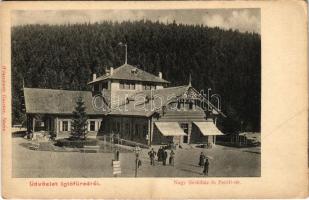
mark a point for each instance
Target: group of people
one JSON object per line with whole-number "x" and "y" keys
{"x": 162, "y": 156}
{"x": 204, "y": 162}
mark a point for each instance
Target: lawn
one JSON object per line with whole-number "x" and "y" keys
{"x": 224, "y": 162}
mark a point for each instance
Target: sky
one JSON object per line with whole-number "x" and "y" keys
{"x": 236, "y": 19}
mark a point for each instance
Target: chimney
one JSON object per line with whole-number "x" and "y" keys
{"x": 160, "y": 74}
{"x": 94, "y": 76}
{"x": 111, "y": 71}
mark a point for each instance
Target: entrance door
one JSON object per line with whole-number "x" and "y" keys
{"x": 185, "y": 128}
{"x": 185, "y": 139}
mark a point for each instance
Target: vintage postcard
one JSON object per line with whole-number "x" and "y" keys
{"x": 154, "y": 99}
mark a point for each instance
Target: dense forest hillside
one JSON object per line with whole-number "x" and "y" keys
{"x": 65, "y": 56}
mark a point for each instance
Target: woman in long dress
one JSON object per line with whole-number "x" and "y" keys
{"x": 202, "y": 160}
{"x": 159, "y": 154}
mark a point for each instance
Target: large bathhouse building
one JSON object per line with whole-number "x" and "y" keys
{"x": 130, "y": 103}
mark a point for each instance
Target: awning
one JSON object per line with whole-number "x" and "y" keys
{"x": 170, "y": 128}
{"x": 208, "y": 128}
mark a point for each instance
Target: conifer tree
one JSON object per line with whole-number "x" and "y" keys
{"x": 65, "y": 56}
{"x": 79, "y": 123}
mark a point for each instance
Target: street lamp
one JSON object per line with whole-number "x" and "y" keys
{"x": 218, "y": 97}
{"x": 126, "y": 48}
{"x": 137, "y": 149}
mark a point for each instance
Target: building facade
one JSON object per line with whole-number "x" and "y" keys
{"x": 130, "y": 103}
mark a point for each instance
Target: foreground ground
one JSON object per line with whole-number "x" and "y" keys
{"x": 224, "y": 162}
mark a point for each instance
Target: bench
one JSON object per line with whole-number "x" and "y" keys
{"x": 90, "y": 149}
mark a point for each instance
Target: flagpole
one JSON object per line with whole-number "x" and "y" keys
{"x": 126, "y": 51}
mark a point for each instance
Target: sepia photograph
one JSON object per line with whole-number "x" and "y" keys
{"x": 136, "y": 93}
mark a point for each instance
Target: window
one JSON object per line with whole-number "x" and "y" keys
{"x": 92, "y": 125}
{"x": 65, "y": 126}
{"x": 184, "y": 127}
{"x": 96, "y": 87}
{"x": 118, "y": 127}
{"x": 181, "y": 104}
{"x": 145, "y": 130}
{"x": 104, "y": 85}
{"x": 149, "y": 87}
{"x": 128, "y": 128}
{"x": 178, "y": 105}
{"x": 136, "y": 129}
{"x": 126, "y": 85}
{"x": 121, "y": 85}
{"x": 132, "y": 86}
{"x": 190, "y": 105}
{"x": 113, "y": 127}
{"x": 146, "y": 87}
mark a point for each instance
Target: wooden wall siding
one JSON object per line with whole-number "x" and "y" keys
{"x": 52, "y": 124}
{"x": 159, "y": 139}
{"x": 129, "y": 128}
{"x": 174, "y": 116}
{"x": 197, "y": 136}
{"x": 33, "y": 120}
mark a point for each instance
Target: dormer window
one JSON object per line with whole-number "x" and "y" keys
{"x": 134, "y": 71}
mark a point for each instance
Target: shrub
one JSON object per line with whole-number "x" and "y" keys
{"x": 73, "y": 143}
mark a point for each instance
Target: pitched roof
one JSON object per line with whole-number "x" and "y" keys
{"x": 146, "y": 102}
{"x": 125, "y": 72}
{"x": 141, "y": 103}
{"x": 50, "y": 101}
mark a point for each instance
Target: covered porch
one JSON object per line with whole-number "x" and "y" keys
{"x": 41, "y": 125}
{"x": 205, "y": 132}
{"x": 167, "y": 133}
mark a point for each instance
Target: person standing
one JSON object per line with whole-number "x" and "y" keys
{"x": 164, "y": 154}
{"x": 117, "y": 155}
{"x": 206, "y": 167}
{"x": 172, "y": 156}
{"x": 160, "y": 157}
{"x": 152, "y": 155}
{"x": 202, "y": 159}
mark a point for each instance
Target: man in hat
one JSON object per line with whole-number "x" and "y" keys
{"x": 206, "y": 167}
{"x": 160, "y": 154}
{"x": 152, "y": 155}
{"x": 164, "y": 155}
